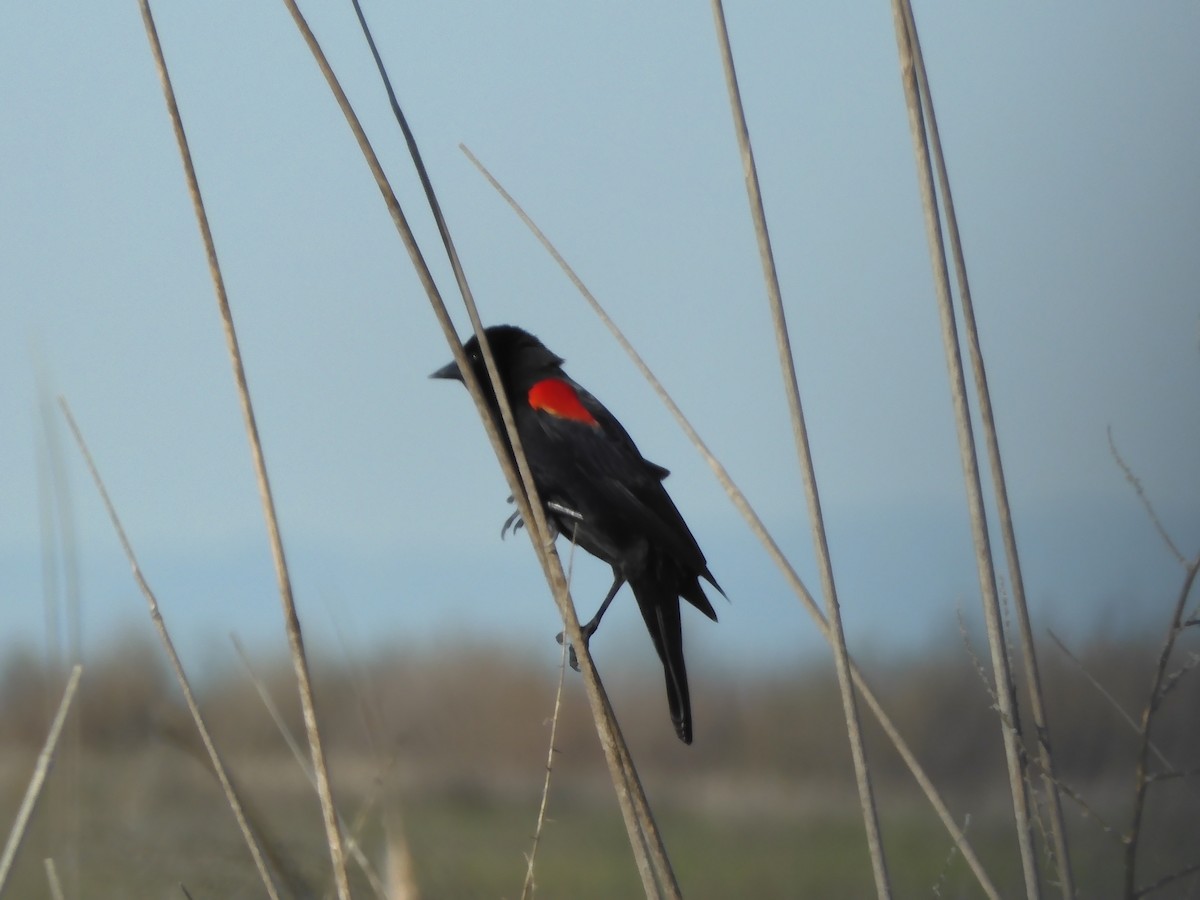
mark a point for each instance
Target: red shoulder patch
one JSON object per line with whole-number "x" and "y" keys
{"x": 558, "y": 398}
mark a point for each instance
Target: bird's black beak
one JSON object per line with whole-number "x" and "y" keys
{"x": 448, "y": 371}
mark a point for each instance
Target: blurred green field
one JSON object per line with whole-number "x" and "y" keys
{"x": 155, "y": 820}
{"x": 452, "y": 758}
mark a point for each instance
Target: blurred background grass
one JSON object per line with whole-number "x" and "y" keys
{"x": 448, "y": 750}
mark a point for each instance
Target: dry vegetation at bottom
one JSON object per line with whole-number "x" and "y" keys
{"x": 448, "y": 751}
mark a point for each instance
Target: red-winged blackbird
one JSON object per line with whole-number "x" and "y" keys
{"x": 599, "y": 491}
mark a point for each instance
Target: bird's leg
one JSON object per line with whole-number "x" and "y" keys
{"x": 590, "y": 628}
{"x": 516, "y": 523}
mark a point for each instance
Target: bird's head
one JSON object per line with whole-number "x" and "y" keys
{"x": 521, "y": 359}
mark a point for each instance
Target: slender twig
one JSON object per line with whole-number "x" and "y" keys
{"x": 1107, "y": 695}
{"x": 283, "y": 578}
{"x": 41, "y": 769}
{"x": 1035, "y": 762}
{"x": 742, "y": 504}
{"x": 649, "y": 852}
{"x": 1005, "y": 685}
{"x": 52, "y": 880}
{"x": 984, "y": 679}
{"x": 528, "y": 888}
{"x": 1142, "y": 771}
{"x": 1140, "y": 490}
{"x": 862, "y": 772}
{"x": 160, "y": 625}
{"x": 950, "y": 857}
{"x": 1088, "y": 812}
{"x": 1172, "y": 680}
{"x": 305, "y": 766}
{"x": 1156, "y": 777}
{"x": 1167, "y": 880}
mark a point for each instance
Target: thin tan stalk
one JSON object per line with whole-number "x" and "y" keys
{"x": 1005, "y": 685}
{"x": 987, "y": 419}
{"x": 1142, "y": 779}
{"x": 528, "y": 888}
{"x": 401, "y": 883}
{"x": 291, "y": 619}
{"x": 862, "y": 772}
{"x": 34, "y": 790}
{"x": 160, "y": 625}
{"x": 293, "y": 745}
{"x": 52, "y": 880}
{"x": 649, "y": 852}
{"x": 760, "y": 531}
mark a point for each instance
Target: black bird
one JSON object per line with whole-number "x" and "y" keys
{"x": 600, "y": 491}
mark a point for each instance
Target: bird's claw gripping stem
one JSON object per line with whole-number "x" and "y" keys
{"x": 572, "y": 658}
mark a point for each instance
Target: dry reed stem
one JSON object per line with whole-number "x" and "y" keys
{"x": 649, "y": 852}
{"x": 862, "y": 772}
{"x": 164, "y": 636}
{"x": 34, "y": 790}
{"x": 59, "y": 552}
{"x": 1058, "y": 845}
{"x": 742, "y": 504}
{"x": 1005, "y": 684}
{"x": 52, "y": 881}
{"x": 1058, "y": 831}
{"x": 283, "y": 578}
{"x": 401, "y": 883}
{"x": 528, "y": 889}
{"x": 1141, "y": 773}
{"x": 298, "y": 754}
{"x": 1061, "y": 785}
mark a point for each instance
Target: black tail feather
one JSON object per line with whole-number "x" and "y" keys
{"x": 660, "y": 610}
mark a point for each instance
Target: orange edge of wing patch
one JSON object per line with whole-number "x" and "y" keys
{"x": 559, "y": 399}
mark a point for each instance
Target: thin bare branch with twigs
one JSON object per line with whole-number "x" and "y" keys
{"x": 1142, "y": 773}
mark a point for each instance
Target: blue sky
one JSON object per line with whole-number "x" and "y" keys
{"x": 1072, "y": 139}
